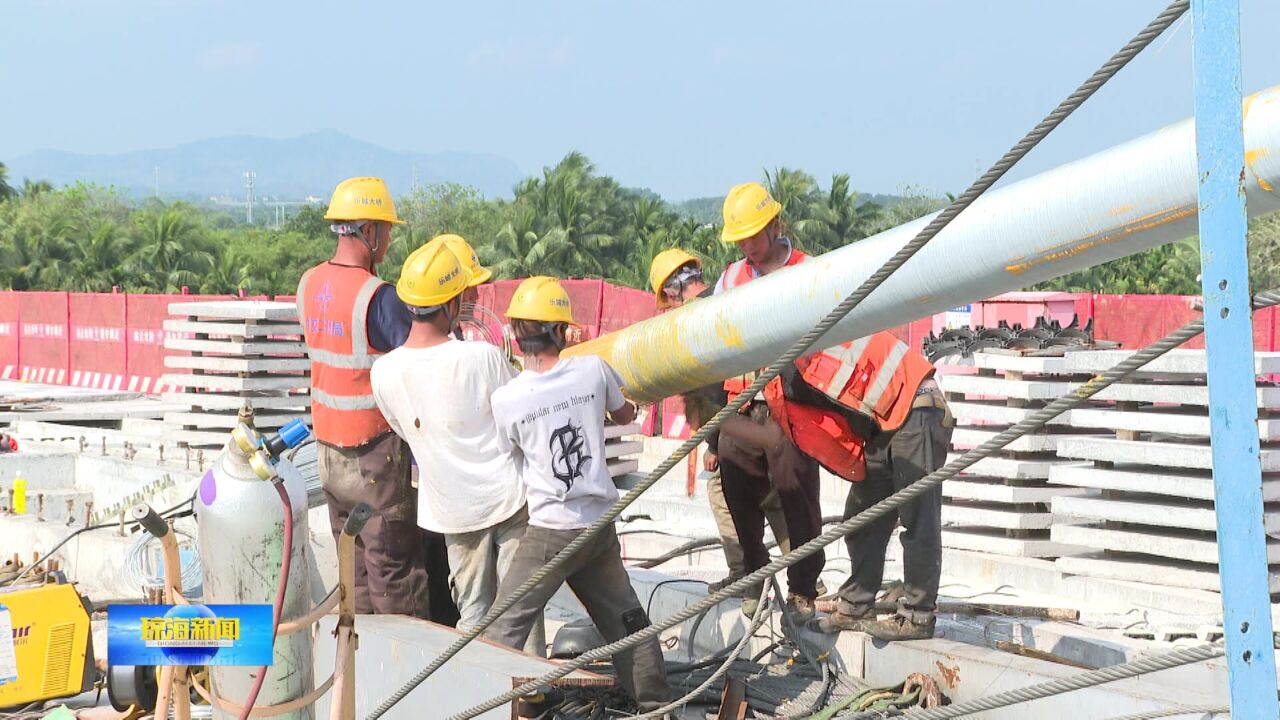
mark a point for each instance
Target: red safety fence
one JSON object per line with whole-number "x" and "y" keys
{"x": 43, "y": 343}
{"x": 9, "y": 336}
{"x": 99, "y": 351}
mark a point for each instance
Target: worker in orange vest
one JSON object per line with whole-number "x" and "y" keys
{"x": 870, "y": 412}
{"x": 676, "y": 278}
{"x": 349, "y": 318}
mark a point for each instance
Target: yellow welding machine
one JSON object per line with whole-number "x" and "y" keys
{"x": 49, "y": 648}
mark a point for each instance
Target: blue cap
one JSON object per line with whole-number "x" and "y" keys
{"x": 294, "y": 433}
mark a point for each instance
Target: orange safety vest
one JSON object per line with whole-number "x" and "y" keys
{"x": 333, "y": 307}
{"x": 877, "y": 376}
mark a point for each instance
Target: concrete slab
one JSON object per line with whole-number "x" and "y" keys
{"x": 1198, "y": 395}
{"x": 1145, "y": 452}
{"x": 233, "y": 328}
{"x": 1174, "y": 362}
{"x": 994, "y": 517}
{"x": 1175, "y": 546}
{"x": 1011, "y": 468}
{"x": 968, "y": 539}
{"x": 1161, "y": 420}
{"x": 229, "y": 420}
{"x": 238, "y": 347}
{"x": 970, "y": 437}
{"x": 1164, "y": 481}
{"x": 968, "y": 487}
{"x": 219, "y": 401}
{"x": 394, "y": 648}
{"x": 1019, "y": 363}
{"x": 1188, "y": 515}
{"x": 1156, "y": 572}
{"x": 236, "y": 384}
{"x": 1002, "y": 387}
{"x": 12, "y": 391}
{"x": 238, "y": 309}
{"x": 214, "y": 363}
{"x": 970, "y": 412}
{"x": 103, "y": 411}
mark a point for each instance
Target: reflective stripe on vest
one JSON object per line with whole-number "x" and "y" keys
{"x": 860, "y": 374}
{"x": 343, "y": 410}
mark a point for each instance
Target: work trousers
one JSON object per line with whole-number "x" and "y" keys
{"x": 772, "y": 509}
{"x": 753, "y": 453}
{"x": 390, "y": 567}
{"x": 478, "y": 561}
{"x": 894, "y": 461}
{"x": 600, "y": 581}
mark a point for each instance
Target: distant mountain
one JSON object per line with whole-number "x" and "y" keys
{"x": 290, "y": 169}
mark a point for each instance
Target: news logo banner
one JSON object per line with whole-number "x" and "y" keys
{"x": 189, "y": 634}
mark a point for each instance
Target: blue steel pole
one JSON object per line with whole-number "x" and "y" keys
{"x": 1237, "y": 472}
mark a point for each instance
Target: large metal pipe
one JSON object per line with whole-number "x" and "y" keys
{"x": 1120, "y": 201}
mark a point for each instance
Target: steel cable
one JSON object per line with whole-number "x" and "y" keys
{"x": 1164, "y": 661}
{"x": 810, "y": 338}
{"x": 1034, "y": 421}
{"x": 1203, "y": 711}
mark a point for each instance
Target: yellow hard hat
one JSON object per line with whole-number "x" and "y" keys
{"x": 541, "y": 299}
{"x": 664, "y": 265}
{"x": 362, "y": 198}
{"x": 467, "y": 254}
{"x": 748, "y": 208}
{"x": 431, "y": 275}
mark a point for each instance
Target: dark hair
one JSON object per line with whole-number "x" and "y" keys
{"x": 536, "y": 337}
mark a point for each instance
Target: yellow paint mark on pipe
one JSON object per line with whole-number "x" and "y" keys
{"x": 1075, "y": 247}
{"x": 1121, "y": 209}
{"x": 1251, "y": 157}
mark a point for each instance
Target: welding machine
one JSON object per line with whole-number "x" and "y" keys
{"x": 50, "y": 649}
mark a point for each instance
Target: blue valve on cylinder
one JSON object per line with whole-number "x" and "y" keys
{"x": 273, "y": 446}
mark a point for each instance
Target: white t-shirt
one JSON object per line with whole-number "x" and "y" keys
{"x": 437, "y": 399}
{"x": 555, "y": 420}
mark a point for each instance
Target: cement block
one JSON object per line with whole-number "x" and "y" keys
{"x": 1168, "y": 572}
{"x": 393, "y": 648}
{"x": 993, "y": 517}
{"x": 1188, "y": 515}
{"x": 1161, "y": 420}
{"x": 231, "y": 383}
{"x": 1019, "y": 363}
{"x": 1011, "y": 468}
{"x": 995, "y": 490}
{"x": 1201, "y": 549}
{"x": 214, "y": 363}
{"x": 238, "y": 347}
{"x": 218, "y": 401}
{"x": 615, "y": 449}
{"x": 969, "y": 437}
{"x": 1174, "y": 362}
{"x": 997, "y": 543}
{"x": 1178, "y": 483}
{"x": 973, "y": 413}
{"x": 103, "y": 411}
{"x": 1161, "y": 454}
{"x": 236, "y": 309}
{"x": 1001, "y": 387}
{"x": 1176, "y": 394}
{"x": 233, "y": 329}
{"x": 229, "y": 420}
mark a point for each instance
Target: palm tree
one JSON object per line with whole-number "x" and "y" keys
{"x": 837, "y": 219}
{"x": 170, "y": 251}
{"x": 31, "y": 188}
{"x": 6, "y": 190}
{"x": 230, "y": 273}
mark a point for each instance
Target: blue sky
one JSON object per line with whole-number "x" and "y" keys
{"x": 686, "y": 98}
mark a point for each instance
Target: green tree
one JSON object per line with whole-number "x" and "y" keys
{"x": 6, "y": 190}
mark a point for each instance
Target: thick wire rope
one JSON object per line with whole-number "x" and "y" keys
{"x": 1164, "y": 661}
{"x": 762, "y": 612}
{"x": 1203, "y": 711}
{"x": 810, "y": 338}
{"x": 1038, "y": 419}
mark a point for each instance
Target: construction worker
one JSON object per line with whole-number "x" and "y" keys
{"x": 479, "y": 275}
{"x": 676, "y": 278}
{"x": 350, "y": 317}
{"x": 553, "y": 413}
{"x": 870, "y": 412}
{"x": 434, "y": 391}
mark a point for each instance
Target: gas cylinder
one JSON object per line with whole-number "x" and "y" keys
{"x": 240, "y": 521}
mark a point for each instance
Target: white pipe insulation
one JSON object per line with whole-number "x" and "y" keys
{"x": 1120, "y": 201}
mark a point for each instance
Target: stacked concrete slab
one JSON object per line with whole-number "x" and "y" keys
{"x": 1153, "y": 520}
{"x": 1002, "y": 504}
{"x": 231, "y": 354}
